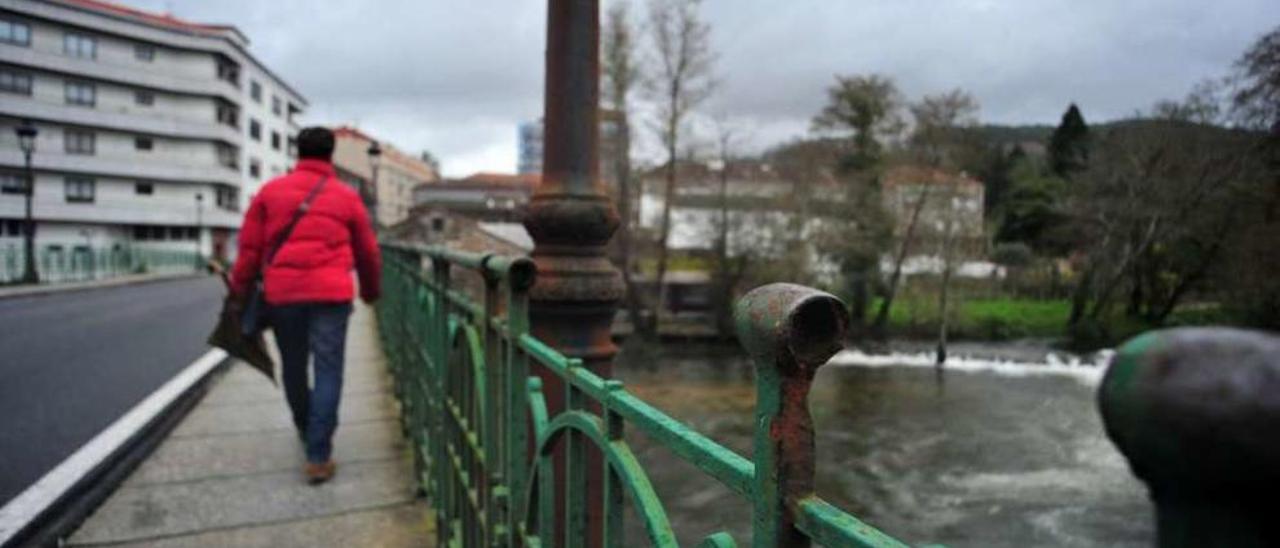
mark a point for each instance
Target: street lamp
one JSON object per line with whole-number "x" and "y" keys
{"x": 27, "y": 132}
{"x": 199, "y": 213}
{"x": 375, "y": 159}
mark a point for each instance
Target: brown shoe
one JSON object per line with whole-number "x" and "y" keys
{"x": 318, "y": 473}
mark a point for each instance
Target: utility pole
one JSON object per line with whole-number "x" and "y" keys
{"x": 199, "y": 228}
{"x": 27, "y": 133}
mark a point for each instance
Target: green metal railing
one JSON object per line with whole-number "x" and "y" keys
{"x": 56, "y": 265}
{"x": 485, "y": 446}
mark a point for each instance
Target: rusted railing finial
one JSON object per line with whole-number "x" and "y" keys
{"x": 1196, "y": 412}
{"x": 789, "y": 331}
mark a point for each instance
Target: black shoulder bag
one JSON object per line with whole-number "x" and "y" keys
{"x": 256, "y": 312}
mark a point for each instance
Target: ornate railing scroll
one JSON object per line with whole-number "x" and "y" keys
{"x": 483, "y": 442}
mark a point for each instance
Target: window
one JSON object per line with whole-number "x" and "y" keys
{"x": 228, "y": 197}
{"x": 255, "y": 91}
{"x": 13, "y": 81}
{"x": 275, "y": 140}
{"x": 277, "y": 106}
{"x": 79, "y": 45}
{"x": 293, "y": 147}
{"x": 143, "y": 143}
{"x": 144, "y": 188}
{"x": 144, "y": 98}
{"x": 13, "y": 32}
{"x": 228, "y": 114}
{"x": 13, "y": 183}
{"x": 255, "y": 168}
{"x": 12, "y": 227}
{"x": 144, "y": 52}
{"x": 255, "y": 130}
{"x": 78, "y": 141}
{"x": 228, "y": 70}
{"x": 79, "y": 189}
{"x": 228, "y": 156}
{"x": 177, "y": 233}
{"x": 81, "y": 93}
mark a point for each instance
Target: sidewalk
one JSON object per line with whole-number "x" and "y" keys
{"x": 61, "y": 287}
{"x": 231, "y": 473}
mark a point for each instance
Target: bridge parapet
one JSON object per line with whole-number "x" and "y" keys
{"x": 484, "y": 437}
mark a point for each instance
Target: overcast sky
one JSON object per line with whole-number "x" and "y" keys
{"x": 455, "y": 77}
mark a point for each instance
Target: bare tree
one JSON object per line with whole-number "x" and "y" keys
{"x": 940, "y": 127}
{"x": 681, "y": 80}
{"x": 621, "y": 74}
{"x": 729, "y": 267}
{"x": 1158, "y": 207}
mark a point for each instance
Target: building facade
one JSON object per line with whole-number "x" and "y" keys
{"x": 950, "y": 209}
{"x": 389, "y": 193}
{"x": 154, "y": 132}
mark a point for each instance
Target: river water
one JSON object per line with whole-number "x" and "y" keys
{"x": 992, "y": 453}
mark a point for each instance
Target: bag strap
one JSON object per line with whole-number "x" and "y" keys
{"x": 297, "y": 216}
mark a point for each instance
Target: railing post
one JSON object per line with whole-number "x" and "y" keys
{"x": 789, "y": 331}
{"x": 445, "y": 510}
{"x": 571, "y": 220}
{"x": 1196, "y": 413}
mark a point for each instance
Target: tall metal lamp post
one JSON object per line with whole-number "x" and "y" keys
{"x": 27, "y": 133}
{"x": 370, "y": 194}
{"x": 199, "y": 227}
{"x": 571, "y": 219}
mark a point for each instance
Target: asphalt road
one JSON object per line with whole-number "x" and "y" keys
{"x": 72, "y": 363}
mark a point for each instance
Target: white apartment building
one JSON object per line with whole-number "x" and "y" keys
{"x": 153, "y": 131}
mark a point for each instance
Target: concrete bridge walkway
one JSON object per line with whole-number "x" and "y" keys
{"x": 231, "y": 473}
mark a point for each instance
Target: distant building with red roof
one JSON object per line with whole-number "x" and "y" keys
{"x": 389, "y": 192}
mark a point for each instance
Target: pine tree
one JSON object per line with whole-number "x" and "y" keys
{"x": 1069, "y": 145}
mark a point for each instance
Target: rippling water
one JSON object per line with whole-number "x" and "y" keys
{"x": 988, "y": 454}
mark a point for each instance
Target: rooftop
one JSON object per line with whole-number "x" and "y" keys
{"x": 162, "y": 20}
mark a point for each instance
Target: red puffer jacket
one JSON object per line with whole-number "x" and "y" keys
{"x": 315, "y": 263}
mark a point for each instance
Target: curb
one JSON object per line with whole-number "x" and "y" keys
{"x": 52, "y": 507}
{"x": 72, "y": 287}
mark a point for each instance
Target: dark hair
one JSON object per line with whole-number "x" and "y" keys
{"x": 316, "y": 143}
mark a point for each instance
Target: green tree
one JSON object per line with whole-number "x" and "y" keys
{"x": 862, "y": 111}
{"x": 866, "y": 109}
{"x": 1069, "y": 144}
{"x": 1256, "y": 101}
{"x": 1031, "y": 212}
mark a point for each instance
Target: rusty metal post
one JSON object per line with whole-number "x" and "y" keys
{"x": 1196, "y": 412}
{"x": 571, "y": 219}
{"x": 789, "y": 331}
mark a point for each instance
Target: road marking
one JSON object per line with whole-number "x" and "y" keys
{"x": 44, "y": 493}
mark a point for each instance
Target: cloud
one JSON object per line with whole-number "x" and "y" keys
{"x": 456, "y": 77}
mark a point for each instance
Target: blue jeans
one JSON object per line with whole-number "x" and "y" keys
{"x": 316, "y": 330}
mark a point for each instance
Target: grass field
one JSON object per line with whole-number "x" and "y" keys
{"x": 916, "y": 315}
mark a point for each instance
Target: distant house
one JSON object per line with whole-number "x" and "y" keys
{"x": 390, "y": 197}
{"x": 952, "y": 201}
{"x": 484, "y": 196}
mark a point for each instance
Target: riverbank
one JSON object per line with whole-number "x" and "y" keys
{"x": 1009, "y": 318}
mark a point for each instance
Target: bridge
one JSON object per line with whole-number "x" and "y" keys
{"x": 501, "y": 371}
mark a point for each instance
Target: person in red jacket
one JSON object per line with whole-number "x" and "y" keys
{"x": 308, "y": 284}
